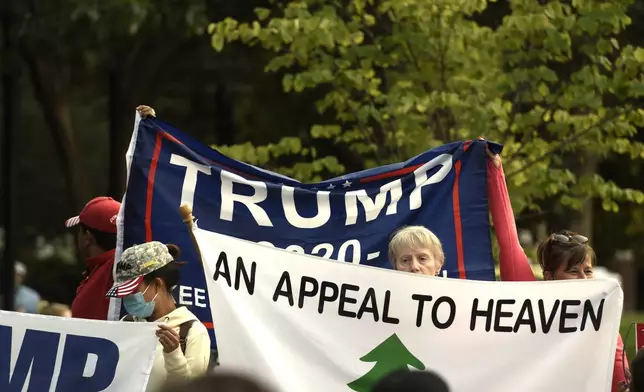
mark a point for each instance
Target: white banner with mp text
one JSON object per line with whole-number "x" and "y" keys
{"x": 302, "y": 323}
{"x": 44, "y": 353}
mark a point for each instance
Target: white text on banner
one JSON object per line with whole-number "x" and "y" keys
{"x": 42, "y": 353}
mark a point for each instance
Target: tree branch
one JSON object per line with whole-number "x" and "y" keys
{"x": 56, "y": 111}
{"x": 563, "y": 143}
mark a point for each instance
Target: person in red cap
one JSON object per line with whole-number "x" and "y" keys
{"x": 97, "y": 244}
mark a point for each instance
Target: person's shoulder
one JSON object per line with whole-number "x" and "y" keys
{"x": 199, "y": 325}
{"x": 188, "y": 316}
{"x": 28, "y": 291}
{"x": 199, "y": 329}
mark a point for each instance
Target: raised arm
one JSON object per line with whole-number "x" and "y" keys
{"x": 514, "y": 262}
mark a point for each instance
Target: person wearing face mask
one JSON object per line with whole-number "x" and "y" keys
{"x": 145, "y": 276}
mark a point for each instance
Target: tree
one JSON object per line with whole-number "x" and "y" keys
{"x": 135, "y": 40}
{"x": 389, "y": 356}
{"x": 114, "y": 49}
{"x": 51, "y": 52}
{"x": 550, "y": 81}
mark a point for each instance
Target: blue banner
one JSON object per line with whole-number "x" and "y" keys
{"x": 348, "y": 218}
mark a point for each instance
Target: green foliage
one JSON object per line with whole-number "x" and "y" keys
{"x": 266, "y": 156}
{"x": 552, "y": 82}
{"x": 74, "y": 26}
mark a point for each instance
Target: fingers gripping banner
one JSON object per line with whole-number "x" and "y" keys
{"x": 307, "y": 324}
{"x": 349, "y": 218}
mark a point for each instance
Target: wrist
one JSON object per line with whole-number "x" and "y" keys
{"x": 173, "y": 352}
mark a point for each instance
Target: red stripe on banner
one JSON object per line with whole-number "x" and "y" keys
{"x": 169, "y": 137}
{"x": 394, "y": 173}
{"x": 456, "y": 205}
{"x": 405, "y": 170}
{"x": 173, "y": 139}
{"x": 151, "y": 174}
{"x": 467, "y": 145}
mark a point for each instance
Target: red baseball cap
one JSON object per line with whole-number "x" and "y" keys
{"x": 99, "y": 214}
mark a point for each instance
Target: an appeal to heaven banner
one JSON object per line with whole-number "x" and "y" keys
{"x": 42, "y": 353}
{"x": 349, "y": 218}
{"x": 307, "y": 324}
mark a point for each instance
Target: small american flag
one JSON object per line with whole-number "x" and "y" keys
{"x": 123, "y": 289}
{"x": 71, "y": 222}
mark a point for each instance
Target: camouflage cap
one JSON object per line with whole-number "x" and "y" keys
{"x": 136, "y": 262}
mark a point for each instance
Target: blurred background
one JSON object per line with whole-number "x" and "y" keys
{"x": 313, "y": 89}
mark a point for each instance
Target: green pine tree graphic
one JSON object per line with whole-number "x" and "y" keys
{"x": 389, "y": 355}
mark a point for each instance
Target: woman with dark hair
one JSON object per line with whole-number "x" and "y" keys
{"x": 146, "y": 274}
{"x": 567, "y": 255}
{"x": 563, "y": 255}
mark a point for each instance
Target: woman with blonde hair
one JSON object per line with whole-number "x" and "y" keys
{"x": 55, "y": 309}
{"x": 416, "y": 249}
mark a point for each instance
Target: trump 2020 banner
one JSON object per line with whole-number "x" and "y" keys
{"x": 302, "y": 323}
{"x": 42, "y": 353}
{"x": 349, "y": 218}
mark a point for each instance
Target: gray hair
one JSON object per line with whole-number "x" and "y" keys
{"x": 415, "y": 237}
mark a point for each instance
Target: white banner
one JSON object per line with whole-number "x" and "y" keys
{"x": 42, "y": 353}
{"x": 303, "y": 323}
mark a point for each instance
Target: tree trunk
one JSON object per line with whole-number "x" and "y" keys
{"x": 582, "y": 221}
{"x": 133, "y": 70}
{"x": 225, "y": 128}
{"x": 121, "y": 118}
{"x": 56, "y": 107}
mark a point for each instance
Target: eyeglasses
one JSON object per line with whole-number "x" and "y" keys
{"x": 565, "y": 238}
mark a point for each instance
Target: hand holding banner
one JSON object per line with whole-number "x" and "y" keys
{"x": 305, "y": 324}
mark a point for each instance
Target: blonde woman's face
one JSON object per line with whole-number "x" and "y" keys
{"x": 418, "y": 261}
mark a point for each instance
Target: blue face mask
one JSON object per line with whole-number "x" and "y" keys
{"x": 137, "y": 306}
